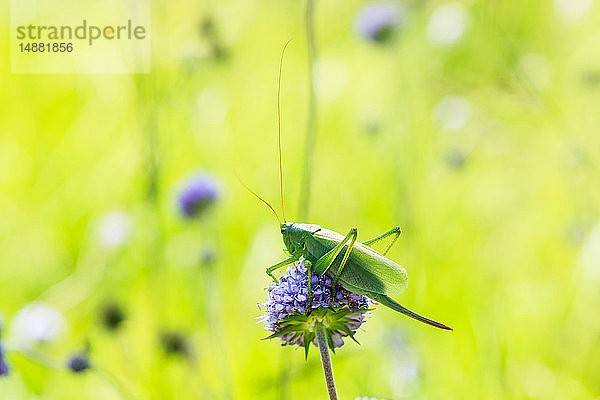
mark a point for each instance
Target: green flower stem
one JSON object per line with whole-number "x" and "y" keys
{"x": 215, "y": 323}
{"x": 38, "y": 358}
{"x": 326, "y": 360}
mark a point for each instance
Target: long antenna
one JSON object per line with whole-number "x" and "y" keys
{"x": 257, "y": 196}
{"x": 279, "y": 127}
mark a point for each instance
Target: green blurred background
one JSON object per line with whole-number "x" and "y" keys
{"x": 484, "y": 150}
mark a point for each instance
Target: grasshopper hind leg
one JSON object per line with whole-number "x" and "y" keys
{"x": 326, "y": 261}
{"x": 354, "y": 234}
{"x": 396, "y": 231}
{"x": 388, "y": 302}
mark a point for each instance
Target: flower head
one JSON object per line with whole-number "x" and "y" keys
{"x": 37, "y": 322}
{"x": 285, "y": 310}
{"x": 456, "y": 158}
{"x": 3, "y": 366}
{"x": 197, "y": 194}
{"x": 447, "y": 24}
{"x": 114, "y": 228}
{"x": 366, "y": 398}
{"x": 452, "y": 113}
{"x": 175, "y": 343}
{"x": 78, "y": 363}
{"x": 377, "y": 21}
{"x": 112, "y": 316}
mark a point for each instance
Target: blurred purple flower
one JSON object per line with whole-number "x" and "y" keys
{"x": 287, "y": 303}
{"x": 377, "y": 21}
{"x": 3, "y": 366}
{"x": 78, "y": 363}
{"x": 197, "y": 194}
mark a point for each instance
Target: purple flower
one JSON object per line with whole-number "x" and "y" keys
{"x": 378, "y": 20}
{"x": 285, "y": 310}
{"x": 3, "y": 366}
{"x": 78, "y": 363}
{"x": 197, "y": 194}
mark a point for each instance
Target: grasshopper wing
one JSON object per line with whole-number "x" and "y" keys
{"x": 366, "y": 269}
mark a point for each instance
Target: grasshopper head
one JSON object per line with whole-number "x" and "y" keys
{"x": 289, "y": 235}
{"x": 294, "y": 235}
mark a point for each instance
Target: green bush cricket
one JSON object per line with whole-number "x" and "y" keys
{"x": 351, "y": 264}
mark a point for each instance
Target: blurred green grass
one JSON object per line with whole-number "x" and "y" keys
{"x": 502, "y": 247}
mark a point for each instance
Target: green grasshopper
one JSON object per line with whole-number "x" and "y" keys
{"x": 353, "y": 265}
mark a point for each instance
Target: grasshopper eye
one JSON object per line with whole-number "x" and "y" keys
{"x": 282, "y": 230}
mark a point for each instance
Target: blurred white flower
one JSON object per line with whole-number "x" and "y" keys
{"x": 404, "y": 372}
{"x": 114, "y": 228}
{"x": 536, "y": 69}
{"x": 366, "y": 398}
{"x": 404, "y": 367}
{"x": 37, "y": 322}
{"x": 589, "y": 256}
{"x": 447, "y": 24}
{"x": 569, "y": 10}
{"x": 452, "y": 113}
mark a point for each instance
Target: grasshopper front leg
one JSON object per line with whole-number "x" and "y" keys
{"x": 394, "y": 231}
{"x": 280, "y": 264}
